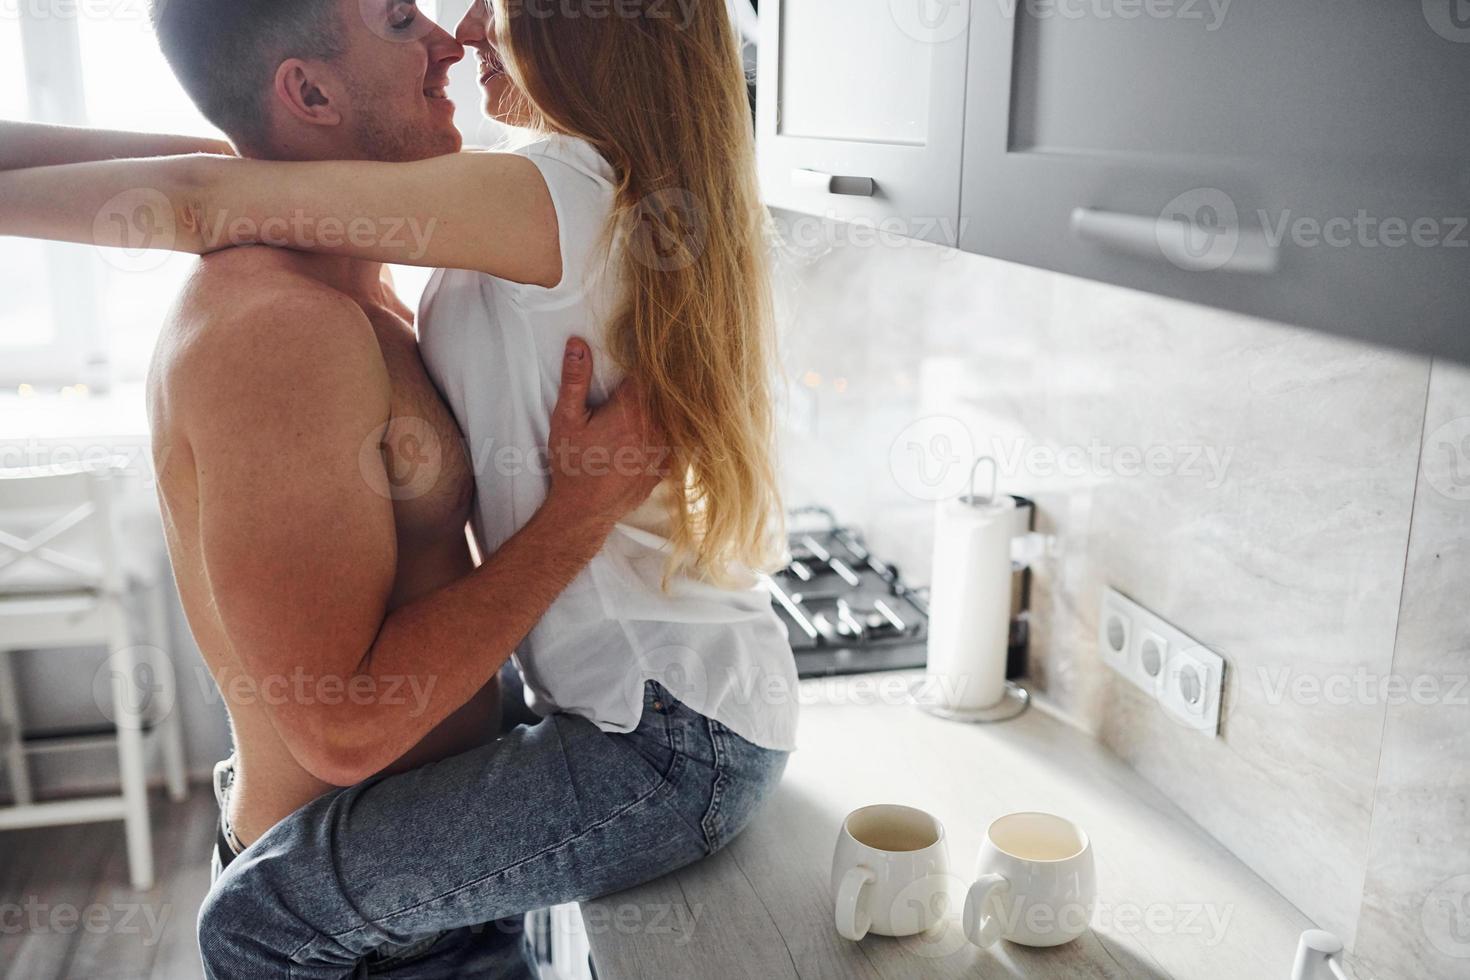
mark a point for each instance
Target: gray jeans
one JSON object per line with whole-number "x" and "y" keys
{"x": 551, "y": 813}
{"x": 492, "y": 950}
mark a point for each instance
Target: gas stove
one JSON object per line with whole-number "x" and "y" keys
{"x": 847, "y": 612}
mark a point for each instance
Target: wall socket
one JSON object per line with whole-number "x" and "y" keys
{"x": 1185, "y": 677}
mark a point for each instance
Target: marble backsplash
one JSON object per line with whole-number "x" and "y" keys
{"x": 1252, "y": 483}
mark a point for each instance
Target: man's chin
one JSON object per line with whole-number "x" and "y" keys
{"x": 405, "y": 147}
{"x": 440, "y": 140}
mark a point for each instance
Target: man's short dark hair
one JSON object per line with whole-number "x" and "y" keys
{"x": 226, "y": 52}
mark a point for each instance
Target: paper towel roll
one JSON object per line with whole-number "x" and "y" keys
{"x": 970, "y": 602}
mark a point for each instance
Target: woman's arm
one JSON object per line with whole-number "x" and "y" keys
{"x": 486, "y": 212}
{"x": 24, "y": 145}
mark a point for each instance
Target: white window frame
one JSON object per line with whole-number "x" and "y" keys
{"x": 77, "y": 352}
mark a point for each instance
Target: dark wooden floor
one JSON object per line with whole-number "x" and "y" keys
{"x": 67, "y": 910}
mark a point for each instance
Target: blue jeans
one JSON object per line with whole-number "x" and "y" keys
{"x": 552, "y": 813}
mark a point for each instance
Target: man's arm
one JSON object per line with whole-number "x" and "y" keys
{"x": 299, "y": 545}
{"x": 25, "y": 145}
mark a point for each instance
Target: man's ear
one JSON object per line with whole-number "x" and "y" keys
{"x": 307, "y": 93}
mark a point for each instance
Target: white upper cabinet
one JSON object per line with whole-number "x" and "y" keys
{"x": 860, "y": 111}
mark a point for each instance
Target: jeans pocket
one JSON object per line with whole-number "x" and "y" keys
{"x": 745, "y": 777}
{"x": 658, "y": 740}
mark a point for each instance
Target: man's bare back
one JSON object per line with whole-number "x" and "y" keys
{"x": 226, "y": 339}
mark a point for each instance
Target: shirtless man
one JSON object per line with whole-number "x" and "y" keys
{"x": 315, "y": 488}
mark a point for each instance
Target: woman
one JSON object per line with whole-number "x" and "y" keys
{"x": 633, "y": 210}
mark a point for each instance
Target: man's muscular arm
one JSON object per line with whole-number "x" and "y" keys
{"x": 299, "y": 541}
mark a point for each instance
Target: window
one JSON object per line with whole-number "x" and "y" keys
{"x": 75, "y": 314}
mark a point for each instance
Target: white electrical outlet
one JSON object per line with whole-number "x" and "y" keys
{"x": 1185, "y": 677}
{"x": 1115, "y": 634}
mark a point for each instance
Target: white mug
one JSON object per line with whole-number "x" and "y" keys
{"x": 1035, "y": 885}
{"x": 890, "y": 872}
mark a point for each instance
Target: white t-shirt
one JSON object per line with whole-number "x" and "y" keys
{"x": 495, "y": 350}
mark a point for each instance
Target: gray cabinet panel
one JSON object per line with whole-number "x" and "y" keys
{"x": 1305, "y": 161}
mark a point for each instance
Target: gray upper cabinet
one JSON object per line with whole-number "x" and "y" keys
{"x": 1307, "y": 161}
{"x": 860, "y": 111}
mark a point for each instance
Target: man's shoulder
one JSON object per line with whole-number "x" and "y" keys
{"x": 241, "y": 284}
{"x": 250, "y": 316}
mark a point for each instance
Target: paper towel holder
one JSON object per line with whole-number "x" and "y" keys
{"x": 971, "y": 499}
{"x": 1016, "y": 699}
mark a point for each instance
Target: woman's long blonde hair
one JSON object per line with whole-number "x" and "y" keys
{"x": 658, "y": 87}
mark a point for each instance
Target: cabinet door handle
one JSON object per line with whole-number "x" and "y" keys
{"x": 815, "y": 180}
{"x": 1194, "y": 247}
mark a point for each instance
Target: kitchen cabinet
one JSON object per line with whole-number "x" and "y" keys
{"x": 1308, "y": 162}
{"x": 860, "y": 111}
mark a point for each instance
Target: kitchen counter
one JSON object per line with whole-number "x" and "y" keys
{"x": 1172, "y": 902}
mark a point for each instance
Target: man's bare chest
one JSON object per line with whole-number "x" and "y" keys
{"x": 425, "y": 466}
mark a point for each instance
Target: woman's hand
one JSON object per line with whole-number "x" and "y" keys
{"x": 26, "y": 145}
{"x": 604, "y": 462}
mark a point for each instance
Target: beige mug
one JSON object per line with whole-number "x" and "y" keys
{"x": 890, "y": 872}
{"x": 1035, "y": 882}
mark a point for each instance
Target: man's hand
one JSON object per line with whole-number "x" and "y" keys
{"x": 604, "y": 463}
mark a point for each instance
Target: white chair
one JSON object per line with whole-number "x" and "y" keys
{"x": 64, "y": 584}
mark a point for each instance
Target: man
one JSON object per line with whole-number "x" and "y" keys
{"x": 285, "y": 517}
{"x": 314, "y": 487}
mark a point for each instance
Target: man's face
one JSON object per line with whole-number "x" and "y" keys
{"x": 395, "y": 68}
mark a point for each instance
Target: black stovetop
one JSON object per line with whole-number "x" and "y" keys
{"x": 846, "y": 611}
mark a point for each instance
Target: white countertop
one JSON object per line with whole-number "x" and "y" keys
{"x": 1172, "y": 902}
